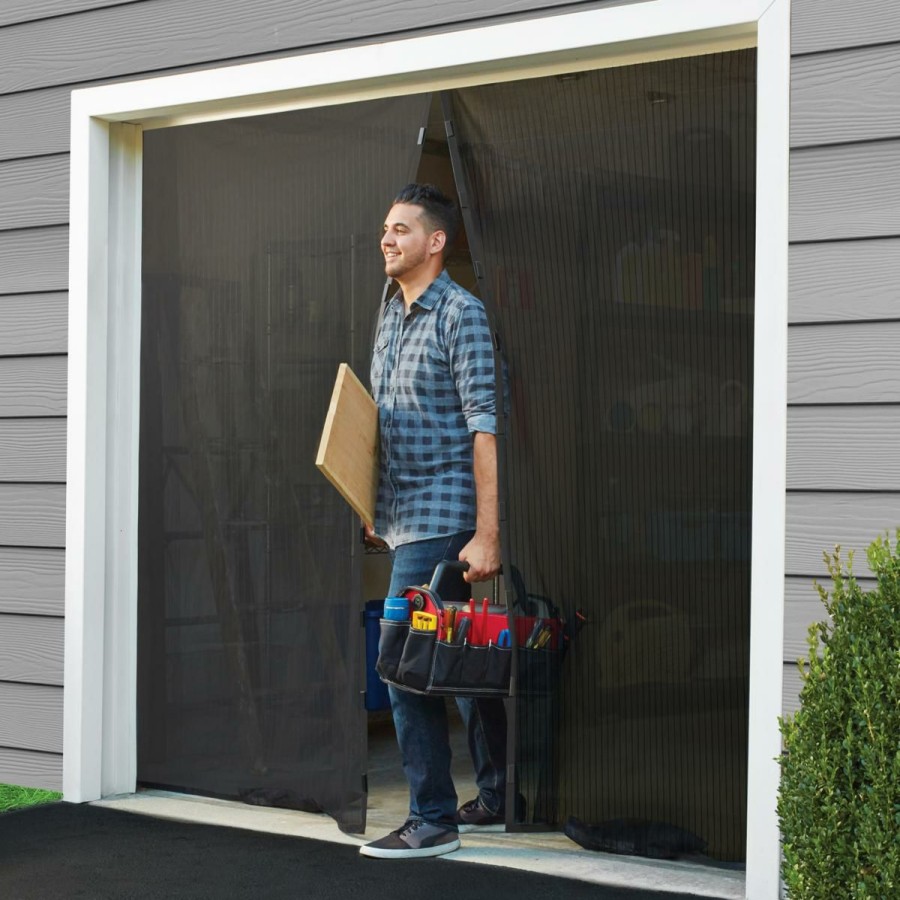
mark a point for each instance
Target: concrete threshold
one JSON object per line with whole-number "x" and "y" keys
{"x": 545, "y": 853}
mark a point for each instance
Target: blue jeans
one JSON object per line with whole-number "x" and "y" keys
{"x": 421, "y": 722}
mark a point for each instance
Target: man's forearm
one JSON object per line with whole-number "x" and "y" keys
{"x": 487, "y": 510}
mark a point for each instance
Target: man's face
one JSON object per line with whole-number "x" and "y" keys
{"x": 407, "y": 243}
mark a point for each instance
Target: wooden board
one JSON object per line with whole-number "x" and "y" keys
{"x": 348, "y": 450}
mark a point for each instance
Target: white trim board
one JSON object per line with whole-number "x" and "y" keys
{"x": 104, "y": 328}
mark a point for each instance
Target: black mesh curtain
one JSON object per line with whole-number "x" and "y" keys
{"x": 617, "y": 212}
{"x": 261, "y": 272}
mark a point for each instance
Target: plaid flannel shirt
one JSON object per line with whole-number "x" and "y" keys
{"x": 433, "y": 381}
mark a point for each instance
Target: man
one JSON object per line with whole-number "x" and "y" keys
{"x": 433, "y": 381}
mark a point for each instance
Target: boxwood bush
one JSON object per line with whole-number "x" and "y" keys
{"x": 839, "y": 803}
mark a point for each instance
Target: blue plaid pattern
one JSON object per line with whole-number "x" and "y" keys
{"x": 433, "y": 381}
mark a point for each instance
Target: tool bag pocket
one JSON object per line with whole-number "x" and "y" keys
{"x": 538, "y": 671}
{"x": 390, "y": 648}
{"x": 414, "y": 670}
{"x": 470, "y": 670}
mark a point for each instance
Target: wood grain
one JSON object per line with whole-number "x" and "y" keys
{"x": 849, "y": 95}
{"x": 31, "y": 717}
{"x": 30, "y": 769}
{"x": 34, "y": 323}
{"x": 31, "y": 649}
{"x": 32, "y": 581}
{"x": 35, "y": 123}
{"x": 33, "y": 386}
{"x": 847, "y": 191}
{"x": 816, "y": 522}
{"x": 162, "y": 34}
{"x": 36, "y": 259}
{"x": 843, "y": 448}
{"x": 818, "y": 25}
{"x": 854, "y": 363}
{"x": 14, "y": 11}
{"x": 32, "y": 450}
{"x": 348, "y": 450}
{"x": 34, "y": 192}
{"x": 844, "y": 281}
{"x": 32, "y": 515}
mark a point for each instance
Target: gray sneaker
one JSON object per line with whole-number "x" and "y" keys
{"x": 415, "y": 839}
{"x": 473, "y": 816}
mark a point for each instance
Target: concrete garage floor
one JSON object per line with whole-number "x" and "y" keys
{"x": 549, "y": 853}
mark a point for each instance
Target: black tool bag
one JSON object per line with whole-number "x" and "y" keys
{"x": 466, "y": 649}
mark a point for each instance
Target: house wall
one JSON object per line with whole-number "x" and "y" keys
{"x": 843, "y": 469}
{"x": 47, "y": 49}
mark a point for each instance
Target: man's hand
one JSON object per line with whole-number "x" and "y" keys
{"x": 371, "y": 538}
{"x": 482, "y": 554}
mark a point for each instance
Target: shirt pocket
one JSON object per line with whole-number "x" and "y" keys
{"x": 379, "y": 358}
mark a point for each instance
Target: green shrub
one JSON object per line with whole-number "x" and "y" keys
{"x": 839, "y": 803}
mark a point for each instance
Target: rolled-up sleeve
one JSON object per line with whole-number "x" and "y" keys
{"x": 471, "y": 356}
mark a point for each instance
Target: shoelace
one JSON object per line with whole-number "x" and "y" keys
{"x": 410, "y": 827}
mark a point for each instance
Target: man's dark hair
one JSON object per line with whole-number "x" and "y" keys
{"x": 441, "y": 213}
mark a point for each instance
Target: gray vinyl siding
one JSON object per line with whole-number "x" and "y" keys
{"x": 48, "y": 48}
{"x": 844, "y": 301}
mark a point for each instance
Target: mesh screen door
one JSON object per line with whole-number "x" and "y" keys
{"x": 261, "y": 272}
{"x": 616, "y": 209}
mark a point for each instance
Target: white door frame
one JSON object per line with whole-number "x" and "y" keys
{"x": 104, "y": 329}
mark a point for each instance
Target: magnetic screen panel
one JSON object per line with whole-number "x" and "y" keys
{"x": 261, "y": 273}
{"x": 616, "y": 208}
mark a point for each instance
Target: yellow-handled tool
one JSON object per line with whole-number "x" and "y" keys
{"x": 423, "y": 621}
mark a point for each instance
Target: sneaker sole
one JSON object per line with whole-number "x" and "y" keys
{"x": 411, "y": 853}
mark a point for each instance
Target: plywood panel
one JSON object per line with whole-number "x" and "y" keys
{"x": 32, "y": 581}
{"x": 31, "y": 717}
{"x": 844, "y": 448}
{"x": 858, "y": 363}
{"x": 33, "y": 386}
{"x": 33, "y": 323}
{"x": 802, "y": 607}
{"x": 30, "y": 769}
{"x": 13, "y": 11}
{"x": 818, "y": 25}
{"x": 844, "y": 281}
{"x": 31, "y": 649}
{"x": 848, "y": 191}
{"x": 150, "y": 36}
{"x": 850, "y": 95}
{"x": 36, "y": 259}
{"x": 34, "y": 192}
{"x": 32, "y": 515}
{"x": 816, "y": 522}
{"x": 32, "y": 450}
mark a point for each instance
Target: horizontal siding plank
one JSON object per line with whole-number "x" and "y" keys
{"x": 848, "y": 191}
{"x": 33, "y": 386}
{"x": 31, "y": 649}
{"x": 843, "y": 281}
{"x": 843, "y": 448}
{"x": 32, "y": 581}
{"x": 850, "y": 95}
{"x": 34, "y": 323}
{"x": 32, "y": 515}
{"x": 855, "y": 363}
{"x": 802, "y": 607}
{"x": 31, "y": 717}
{"x": 34, "y": 192}
{"x": 829, "y": 24}
{"x": 36, "y": 259}
{"x": 29, "y": 769}
{"x": 790, "y": 689}
{"x": 163, "y": 34}
{"x": 32, "y": 450}
{"x": 15, "y": 11}
{"x": 35, "y": 123}
{"x": 816, "y": 522}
